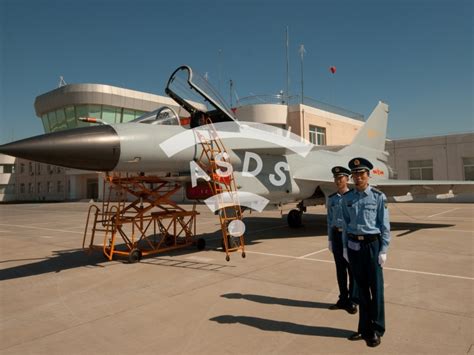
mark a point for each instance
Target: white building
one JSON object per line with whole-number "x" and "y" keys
{"x": 7, "y": 178}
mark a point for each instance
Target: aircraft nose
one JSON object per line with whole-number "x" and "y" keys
{"x": 89, "y": 148}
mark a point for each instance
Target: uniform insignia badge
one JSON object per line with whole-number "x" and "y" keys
{"x": 356, "y": 162}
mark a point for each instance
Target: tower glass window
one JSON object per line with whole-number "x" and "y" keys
{"x": 70, "y": 117}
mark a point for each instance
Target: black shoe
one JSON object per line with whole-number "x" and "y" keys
{"x": 351, "y": 308}
{"x": 334, "y": 307}
{"x": 355, "y": 336}
{"x": 373, "y": 341}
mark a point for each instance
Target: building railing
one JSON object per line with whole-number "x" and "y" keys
{"x": 296, "y": 99}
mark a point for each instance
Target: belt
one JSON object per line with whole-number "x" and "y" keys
{"x": 364, "y": 237}
{"x": 337, "y": 229}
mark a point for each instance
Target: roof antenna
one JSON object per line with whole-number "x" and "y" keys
{"x": 302, "y": 52}
{"x": 61, "y": 82}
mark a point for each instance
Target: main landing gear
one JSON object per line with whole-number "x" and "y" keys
{"x": 295, "y": 216}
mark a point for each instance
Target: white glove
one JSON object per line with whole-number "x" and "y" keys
{"x": 344, "y": 254}
{"x": 382, "y": 259}
{"x": 330, "y": 246}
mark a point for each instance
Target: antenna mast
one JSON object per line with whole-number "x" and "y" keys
{"x": 302, "y": 52}
{"x": 61, "y": 82}
{"x": 287, "y": 67}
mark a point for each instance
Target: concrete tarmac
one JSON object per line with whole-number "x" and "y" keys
{"x": 56, "y": 299}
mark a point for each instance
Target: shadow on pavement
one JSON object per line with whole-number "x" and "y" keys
{"x": 276, "y": 300}
{"x": 258, "y": 229}
{"x": 287, "y": 327}
{"x": 61, "y": 260}
{"x": 410, "y": 228}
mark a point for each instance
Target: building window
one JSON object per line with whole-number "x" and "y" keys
{"x": 30, "y": 168}
{"x": 468, "y": 164}
{"x": 82, "y": 111}
{"x": 38, "y": 189}
{"x": 420, "y": 169}
{"x": 70, "y": 117}
{"x": 44, "y": 119}
{"x": 22, "y": 188}
{"x": 61, "y": 120}
{"x": 30, "y": 188}
{"x": 22, "y": 168}
{"x": 128, "y": 115}
{"x": 7, "y": 168}
{"x": 317, "y": 135}
{"x": 60, "y": 186}
{"x": 111, "y": 114}
{"x": 49, "y": 187}
{"x": 7, "y": 189}
{"x": 53, "y": 123}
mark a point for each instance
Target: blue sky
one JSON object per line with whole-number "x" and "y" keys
{"x": 417, "y": 55}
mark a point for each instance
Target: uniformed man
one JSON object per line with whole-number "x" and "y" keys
{"x": 366, "y": 235}
{"x": 334, "y": 219}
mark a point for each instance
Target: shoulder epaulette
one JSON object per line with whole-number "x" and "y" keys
{"x": 377, "y": 191}
{"x": 345, "y": 193}
{"x": 333, "y": 194}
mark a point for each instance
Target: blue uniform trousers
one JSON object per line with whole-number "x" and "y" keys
{"x": 343, "y": 271}
{"x": 369, "y": 278}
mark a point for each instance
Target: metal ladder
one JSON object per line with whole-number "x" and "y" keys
{"x": 221, "y": 187}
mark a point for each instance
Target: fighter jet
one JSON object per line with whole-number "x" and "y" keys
{"x": 271, "y": 166}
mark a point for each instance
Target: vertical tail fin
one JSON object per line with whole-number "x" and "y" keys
{"x": 371, "y": 137}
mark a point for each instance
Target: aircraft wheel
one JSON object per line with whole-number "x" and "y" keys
{"x": 227, "y": 258}
{"x": 295, "y": 218}
{"x": 201, "y": 243}
{"x": 134, "y": 256}
{"x": 243, "y": 254}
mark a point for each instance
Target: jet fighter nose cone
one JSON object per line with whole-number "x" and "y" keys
{"x": 89, "y": 148}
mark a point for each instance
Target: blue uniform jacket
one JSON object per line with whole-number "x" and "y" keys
{"x": 366, "y": 213}
{"x": 334, "y": 214}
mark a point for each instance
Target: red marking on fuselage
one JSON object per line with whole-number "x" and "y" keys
{"x": 377, "y": 171}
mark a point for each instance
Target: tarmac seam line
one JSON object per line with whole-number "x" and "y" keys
{"x": 386, "y": 268}
{"x": 440, "y": 213}
{"x": 429, "y": 309}
{"x": 48, "y": 229}
{"x": 316, "y": 252}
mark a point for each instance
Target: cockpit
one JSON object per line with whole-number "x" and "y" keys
{"x": 194, "y": 94}
{"x": 165, "y": 115}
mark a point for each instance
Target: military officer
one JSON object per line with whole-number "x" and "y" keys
{"x": 366, "y": 236}
{"x": 334, "y": 221}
